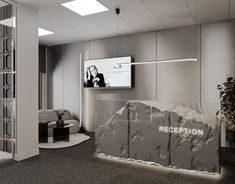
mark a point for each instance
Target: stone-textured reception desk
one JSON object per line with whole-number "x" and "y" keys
{"x": 157, "y": 132}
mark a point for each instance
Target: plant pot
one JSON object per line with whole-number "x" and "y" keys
{"x": 230, "y": 135}
{"x": 60, "y": 123}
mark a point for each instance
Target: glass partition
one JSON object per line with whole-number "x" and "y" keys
{"x": 7, "y": 80}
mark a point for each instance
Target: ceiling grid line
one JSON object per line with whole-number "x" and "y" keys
{"x": 107, "y": 29}
{"x": 190, "y": 11}
{"x": 54, "y": 20}
{"x": 122, "y": 18}
{"x": 153, "y": 13}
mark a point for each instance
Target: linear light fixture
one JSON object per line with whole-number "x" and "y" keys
{"x": 85, "y": 7}
{"x": 44, "y": 32}
{"x": 159, "y": 61}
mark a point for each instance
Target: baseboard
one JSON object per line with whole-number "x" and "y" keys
{"x": 25, "y": 155}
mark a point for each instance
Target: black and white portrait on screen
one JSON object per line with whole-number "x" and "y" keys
{"x": 93, "y": 78}
{"x": 106, "y": 73}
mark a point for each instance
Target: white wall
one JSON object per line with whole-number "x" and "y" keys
{"x": 217, "y": 63}
{"x": 218, "y": 60}
{"x": 26, "y": 83}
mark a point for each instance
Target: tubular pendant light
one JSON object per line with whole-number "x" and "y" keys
{"x": 159, "y": 61}
{"x": 168, "y": 60}
{"x": 81, "y": 91}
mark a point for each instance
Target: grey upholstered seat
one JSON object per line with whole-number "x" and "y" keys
{"x": 50, "y": 115}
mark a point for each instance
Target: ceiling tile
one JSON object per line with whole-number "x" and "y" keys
{"x": 135, "y": 13}
{"x": 210, "y": 10}
{"x": 51, "y": 24}
{"x": 109, "y": 20}
{"x": 171, "y": 13}
{"x": 37, "y": 4}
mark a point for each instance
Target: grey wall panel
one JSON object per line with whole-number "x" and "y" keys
{"x": 42, "y": 59}
{"x": 176, "y": 43}
{"x": 143, "y": 48}
{"x": 179, "y": 83}
{"x": 72, "y": 79}
{"x": 103, "y": 48}
{"x": 49, "y": 78}
{"x": 218, "y": 61}
{"x": 56, "y": 73}
{"x": 42, "y": 75}
{"x": 64, "y": 76}
{"x": 44, "y": 90}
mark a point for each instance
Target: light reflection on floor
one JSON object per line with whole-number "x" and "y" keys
{"x": 157, "y": 167}
{"x": 5, "y": 156}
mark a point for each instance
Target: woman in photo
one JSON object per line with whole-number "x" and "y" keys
{"x": 93, "y": 78}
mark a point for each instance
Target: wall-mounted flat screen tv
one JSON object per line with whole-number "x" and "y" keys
{"x": 106, "y": 73}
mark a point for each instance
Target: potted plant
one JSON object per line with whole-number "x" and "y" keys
{"x": 60, "y": 121}
{"x": 227, "y": 110}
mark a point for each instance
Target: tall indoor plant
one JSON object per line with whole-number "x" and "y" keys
{"x": 227, "y": 103}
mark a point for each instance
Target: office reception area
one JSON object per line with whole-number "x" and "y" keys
{"x": 117, "y": 91}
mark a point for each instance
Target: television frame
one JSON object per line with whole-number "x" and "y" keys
{"x": 111, "y": 88}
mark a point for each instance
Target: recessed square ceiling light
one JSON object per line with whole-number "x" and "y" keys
{"x": 85, "y": 7}
{"x": 44, "y": 32}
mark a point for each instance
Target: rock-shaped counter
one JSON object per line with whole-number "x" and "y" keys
{"x": 162, "y": 133}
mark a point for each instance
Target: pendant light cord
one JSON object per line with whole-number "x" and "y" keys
{"x": 117, "y": 10}
{"x": 117, "y": 37}
{"x": 195, "y": 21}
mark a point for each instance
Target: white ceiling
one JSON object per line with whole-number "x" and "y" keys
{"x": 136, "y": 16}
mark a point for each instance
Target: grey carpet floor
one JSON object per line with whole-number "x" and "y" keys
{"x": 77, "y": 165}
